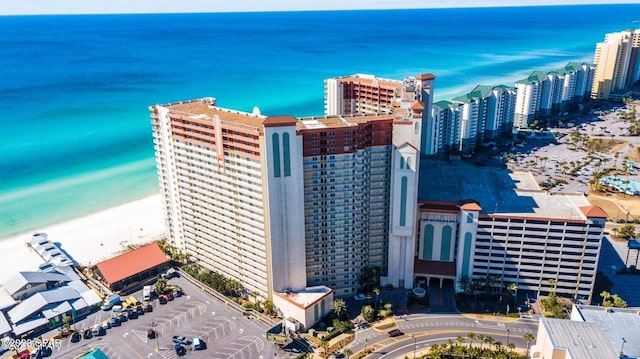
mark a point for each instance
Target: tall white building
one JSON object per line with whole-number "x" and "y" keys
{"x": 448, "y": 119}
{"x": 232, "y": 186}
{"x": 545, "y": 93}
{"x": 617, "y": 63}
{"x": 486, "y": 112}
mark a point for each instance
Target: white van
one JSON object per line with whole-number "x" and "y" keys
{"x": 117, "y": 308}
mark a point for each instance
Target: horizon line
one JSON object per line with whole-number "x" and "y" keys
{"x": 240, "y": 11}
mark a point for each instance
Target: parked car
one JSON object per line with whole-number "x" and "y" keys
{"x": 115, "y": 322}
{"x": 170, "y": 273}
{"x": 169, "y": 296}
{"x": 180, "y": 340}
{"x": 395, "y": 333}
{"x": 87, "y": 334}
{"x": 198, "y": 344}
{"x": 123, "y": 318}
{"x": 151, "y": 334}
{"x": 140, "y": 310}
{"x": 75, "y": 337}
{"x": 180, "y": 350}
{"x": 149, "y": 308}
{"x": 162, "y": 300}
{"x": 38, "y": 353}
{"x": 106, "y": 325}
{"x": 132, "y": 314}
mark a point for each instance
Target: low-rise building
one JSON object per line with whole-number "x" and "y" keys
{"x": 306, "y": 306}
{"x": 567, "y": 339}
{"x": 36, "y": 301}
{"x": 132, "y": 268}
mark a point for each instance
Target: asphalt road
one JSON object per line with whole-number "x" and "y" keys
{"x": 430, "y": 329}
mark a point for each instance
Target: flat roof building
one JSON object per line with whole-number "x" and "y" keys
{"x": 568, "y": 339}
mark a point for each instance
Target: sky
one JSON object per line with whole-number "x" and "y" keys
{"x": 33, "y": 7}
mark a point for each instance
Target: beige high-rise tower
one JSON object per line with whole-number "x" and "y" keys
{"x": 617, "y": 63}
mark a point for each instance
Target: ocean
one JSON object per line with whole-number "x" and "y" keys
{"x": 75, "y": 90}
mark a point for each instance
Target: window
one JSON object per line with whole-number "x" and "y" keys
{"x": 275, "y": 142}
{"x": 403, "y": 201}
{"x": 287, "y": 154}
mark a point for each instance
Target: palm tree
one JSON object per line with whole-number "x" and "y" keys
{"x": 376, "y": 290}
{"x": 511, "y": 348}
{"x": 459, "y": 339}
{"x": 268, "y": 306}
{"x": 465, "y": 283}
{"x": 529, "y": 338}
{"x": 481, "y": 338}
{"x": 471, "y": 336}
{"x": 339, "y": 306}
{"x": 490, "y": 341}
{"x": 347, "y": 352}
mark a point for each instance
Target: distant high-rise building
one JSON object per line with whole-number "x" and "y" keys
{"x": 360, "y": 94}
{"x": 448, "y": 118}
{"x": 617, "y": 63}
{"x": 545, "y": 93}
{"x": 487, "y": 112}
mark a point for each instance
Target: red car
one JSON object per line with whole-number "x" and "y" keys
{"x": 169, "y": 296}
{"x": 395, "y": 333}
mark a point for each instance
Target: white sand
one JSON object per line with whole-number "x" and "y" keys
{"x": 89, "y": 239}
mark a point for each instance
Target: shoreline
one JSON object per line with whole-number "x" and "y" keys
{"x": 91, "y": 238}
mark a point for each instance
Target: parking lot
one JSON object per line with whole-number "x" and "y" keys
{"x": 226, "y": 333}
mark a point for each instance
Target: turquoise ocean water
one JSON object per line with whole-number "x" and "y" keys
{"x": 75, "y": 136}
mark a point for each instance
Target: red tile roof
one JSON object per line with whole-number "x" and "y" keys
{"x": 417, "y": 105}
{"x": 471, "y": 206}
{"x": 593, "y": 212}
{"x": 131, "y": 263}
{"x": 424, "y": 77}
{"x": 277, "y": 121}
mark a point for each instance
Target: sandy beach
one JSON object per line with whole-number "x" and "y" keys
{"x": 90, "y": 239}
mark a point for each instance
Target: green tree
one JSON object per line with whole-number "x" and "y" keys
{"x": 268, "y": 306}
{"x": 529, "y": 338}
{"x": 627, "y": 231}
{"x": 368, "y": 313}
{"x": 465, "y": 283}
{"x": 161, "y": 286}
{"x": 376, "y": 290}
{"x": 612, "y": 300}
{"x": 347, "y": 352}
{"x": 339, "y": 306}
{"x": 471, "y": 336}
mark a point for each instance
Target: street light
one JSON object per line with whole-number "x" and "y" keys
{"x": 365, "y": 346}
{"x": 622, "y": 348}
{"x": 414, "y": 346}
{"x": 154, "y": 325}
{"x": 508, "y": 334}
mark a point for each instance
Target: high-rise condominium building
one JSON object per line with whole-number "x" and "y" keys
{"x": 486, "y": 113}
{"x": 617, "y": 63}
{"x": 545, "y": 93}
{"x": 280, "y": 203}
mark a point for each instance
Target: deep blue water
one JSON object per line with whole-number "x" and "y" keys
{"x": 74, "y": 90}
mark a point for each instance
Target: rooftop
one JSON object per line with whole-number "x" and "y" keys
{"x": 615, "y": 323}
{"x": 496, "y": 191}
{"x": 370, "y": 80}
{"x": 131, "y": 263}
{"x": 306, "y": 297}
{"x": 579, "y": 339}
